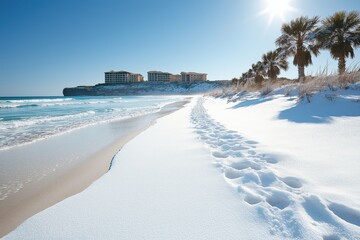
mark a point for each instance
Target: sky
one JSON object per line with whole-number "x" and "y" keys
{"x": 48, "y": 45}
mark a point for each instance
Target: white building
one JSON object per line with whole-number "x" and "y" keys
{"x": 193, "y": 76}
{"x": 114, "y": 77}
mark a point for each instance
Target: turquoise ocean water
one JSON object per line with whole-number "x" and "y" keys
{"x": 27, "y": 119}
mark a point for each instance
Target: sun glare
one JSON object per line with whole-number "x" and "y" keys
{"x": 277, "y": 9}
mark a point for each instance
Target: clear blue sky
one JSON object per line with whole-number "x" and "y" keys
{"x": 46, "y": 45}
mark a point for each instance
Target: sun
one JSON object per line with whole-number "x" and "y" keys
{"x": 277, "y": 9}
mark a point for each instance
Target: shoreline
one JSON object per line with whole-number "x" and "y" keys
{"x": 59, "y": 185}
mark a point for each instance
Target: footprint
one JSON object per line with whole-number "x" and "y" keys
{"x": 251, "y": 177}
{"x": 204, "y": 138}
{"x": 240, "y": 165}
{"x": 292, "y": 182}
{"x": 252, "y": 199}
{"x": 219, "y": 143}
{"x": 251, "y": 152}
{"x": 235, "y": 154}
{"x": 346, "y": 213}
{"x": 250, "y": 196}
{"x": 271, "y": 160}
{"x": 208, "y": 140}
{"x": 255, "y": 166}
{"x": 251, "y": 142}
{"x": 238, "y": 148}
{"x": 267, "y": 178}
{"x": 232, "y": 173}
{"x": 225, "y": 147}
{"x": 217, "y": 164}
{"x": 219, "y": 155}
{"x": 200, "y": 132}
{"x": 227, "y": 136}
{"x": 278, "y": 199}
{"x": 316, "y": 209}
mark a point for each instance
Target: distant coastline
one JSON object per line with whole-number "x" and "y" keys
{"x": 147, "y": 88}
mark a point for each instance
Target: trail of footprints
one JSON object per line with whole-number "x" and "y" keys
{"x": 277, "y": 198}
{"x": 241, "y": 164}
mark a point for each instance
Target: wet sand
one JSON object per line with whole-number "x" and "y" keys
{"x": 38, "y": 175}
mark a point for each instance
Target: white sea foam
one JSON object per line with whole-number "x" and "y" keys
{"x": 52, "y": 102}
{"x": 43, "y": 119}
{"x": 38, "y": 135}
{"x": 37, "y": 100}
{"x": 27, "y": 125}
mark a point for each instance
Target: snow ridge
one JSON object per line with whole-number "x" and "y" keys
{"x": 280, "y": 202}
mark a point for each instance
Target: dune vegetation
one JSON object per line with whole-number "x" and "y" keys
{"x": 302, "y": 40}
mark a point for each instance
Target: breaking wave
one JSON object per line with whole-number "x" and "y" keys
{"x": 23, "y": 121}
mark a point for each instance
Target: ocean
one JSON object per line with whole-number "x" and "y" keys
{"x": 28, "y": 119}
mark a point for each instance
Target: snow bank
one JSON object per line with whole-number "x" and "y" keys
{"x": 296, "y": 162}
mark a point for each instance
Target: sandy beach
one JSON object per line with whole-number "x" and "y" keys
{"x": 53, "y": 169}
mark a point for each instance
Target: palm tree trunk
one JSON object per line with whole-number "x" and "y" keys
{"x": 342, "y": 64}
{"x": 301, "y": 73}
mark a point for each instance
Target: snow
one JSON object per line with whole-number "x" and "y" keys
{"x": 161, "y": 186}
{"x": 313, "y": 172}
{"x": 258, "y": 168}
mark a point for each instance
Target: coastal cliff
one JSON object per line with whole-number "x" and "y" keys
{"x": 145, "y": 88}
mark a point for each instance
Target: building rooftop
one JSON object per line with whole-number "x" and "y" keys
{"x": 193, "y": 73}
{"x": 159, "y": 72}
{"x": 112, "y": 71}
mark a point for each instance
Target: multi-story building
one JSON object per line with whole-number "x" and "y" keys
{"x": 114, "y": 77}
{"x": 175, "y": 77}
{"x": 193, "y": 76}
{"x": 158, "y": 76}
{"x": 136, "y": 77}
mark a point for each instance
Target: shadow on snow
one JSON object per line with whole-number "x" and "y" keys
{"x": 251, "y": 102}
{"x": 320, "y": 110}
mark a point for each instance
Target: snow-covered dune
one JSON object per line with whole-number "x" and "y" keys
{"x": 298, "y": 163}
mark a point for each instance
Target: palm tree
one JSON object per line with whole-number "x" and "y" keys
{"x": 250, "y": 73}
{"x": 258, "y": 70}
{"x": 340, "y": 33}
{"x": 298, "y": 39}
{"x": 273, "y": 62}
{"x": 243, "y": 76}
